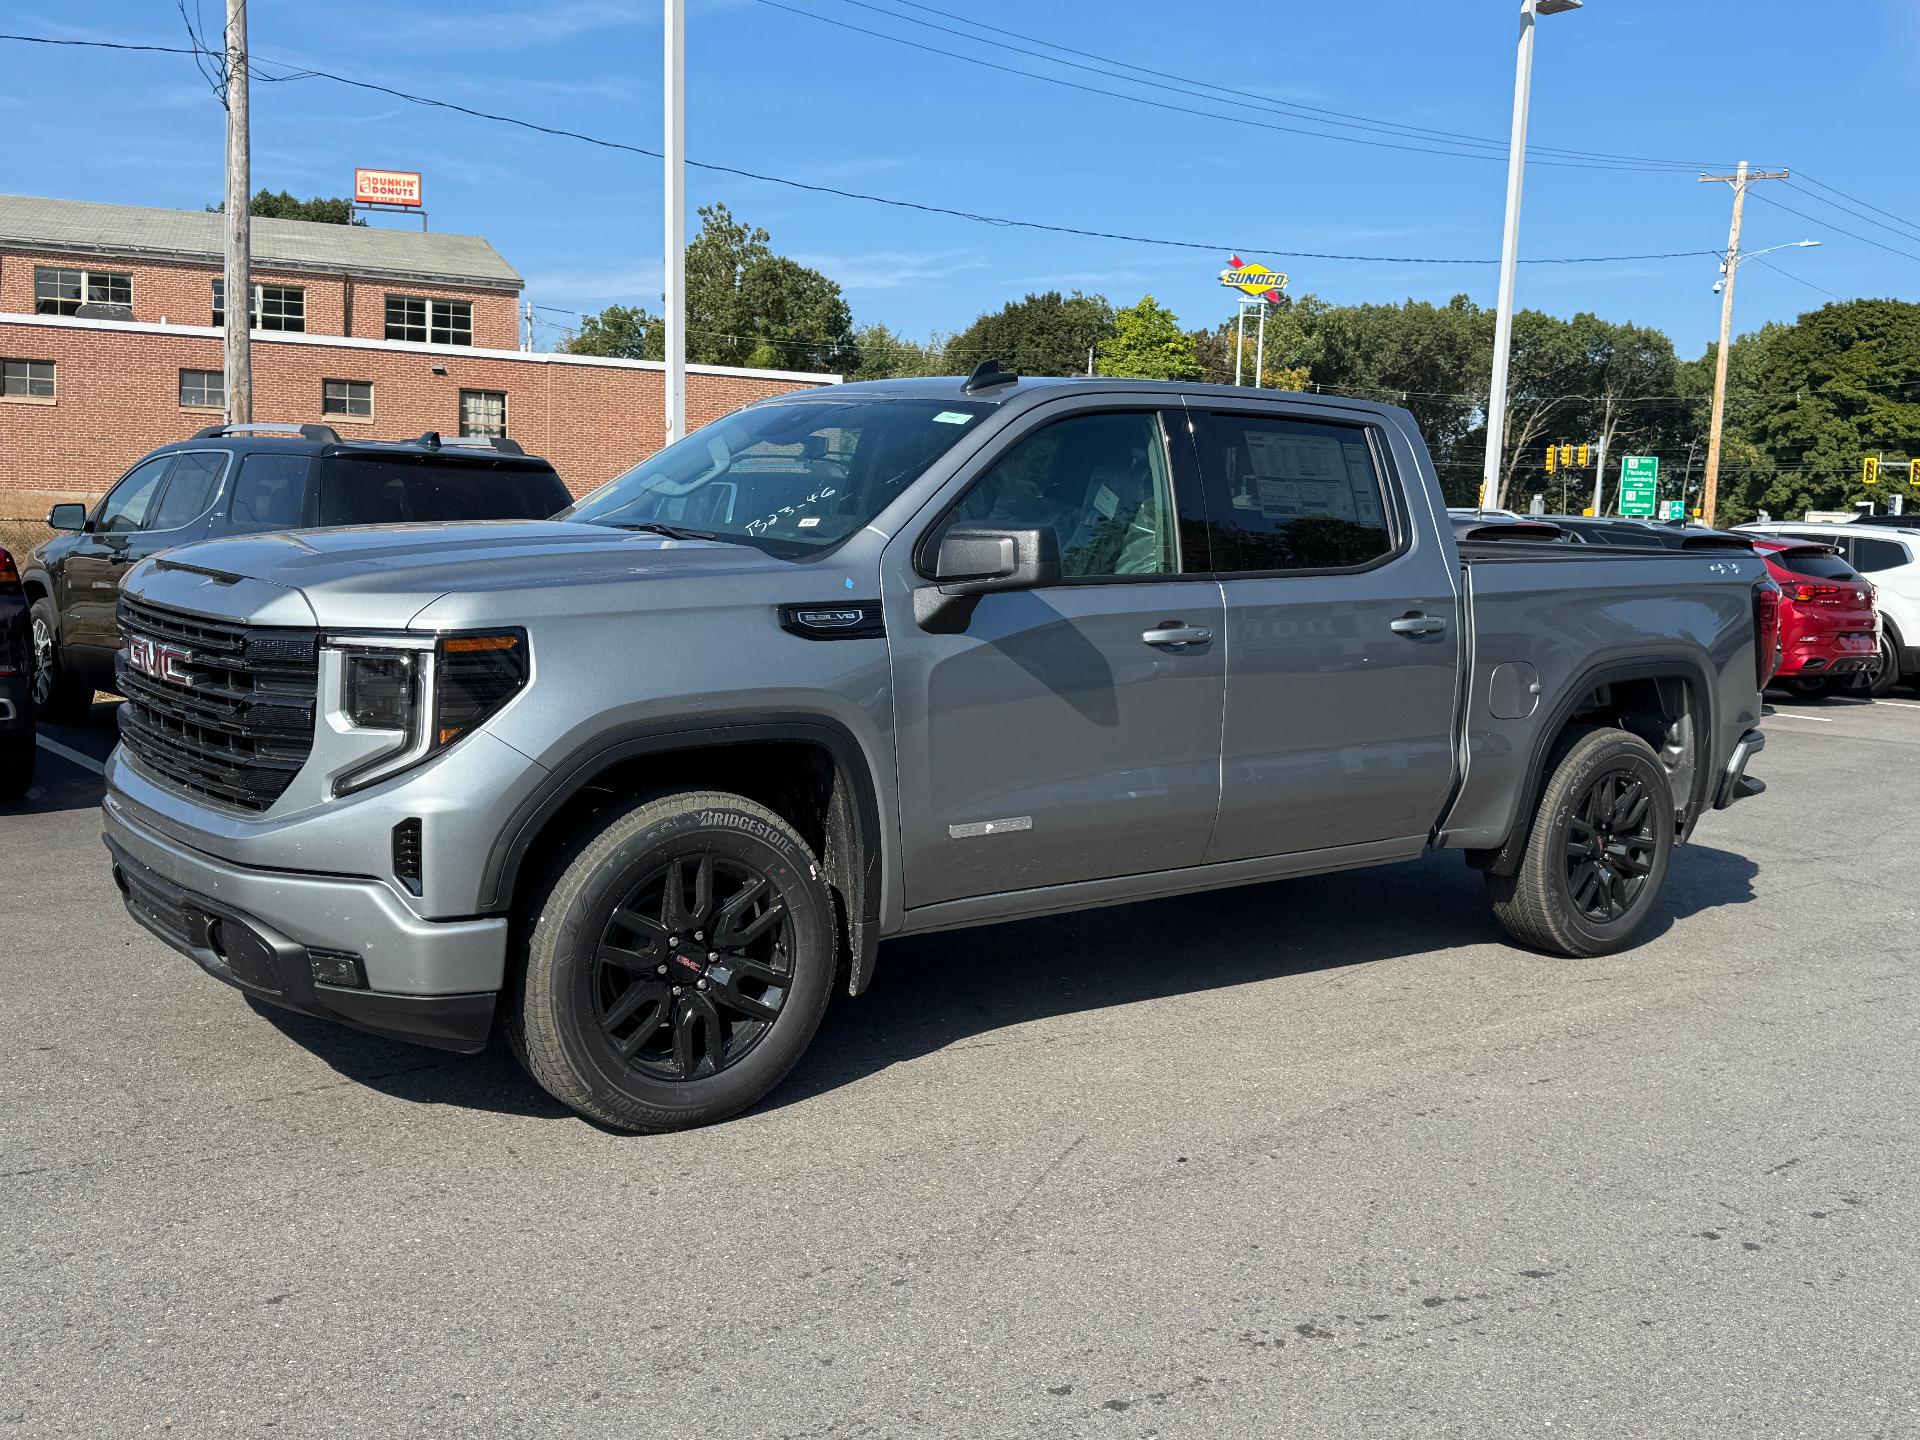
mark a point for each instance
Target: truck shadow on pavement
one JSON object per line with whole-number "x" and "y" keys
{"x": 934, "y": 991}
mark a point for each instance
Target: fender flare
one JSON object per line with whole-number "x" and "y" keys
{"x": 855, "y": 804}
{"x": 1505, "y": 858}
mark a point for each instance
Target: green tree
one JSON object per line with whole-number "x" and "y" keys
{"x": 1292, "y": 347}
{"x": 282, "y": 205}
{"x": 882, "y": 354}
{"x": 625, "y": 332}
{"x": 1049, "y": 334}
{"x": 745, "y": 306}
{"x": 1148, "y": 344}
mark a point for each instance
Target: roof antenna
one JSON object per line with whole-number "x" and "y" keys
{"x": 988, "y": 375}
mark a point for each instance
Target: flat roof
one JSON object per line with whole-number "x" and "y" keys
{"x": 140, "y": 232}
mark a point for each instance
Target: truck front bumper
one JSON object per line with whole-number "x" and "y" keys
{"x": 329, "y": 946}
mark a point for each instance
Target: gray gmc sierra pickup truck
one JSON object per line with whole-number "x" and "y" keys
{"x": 638, "y": 783}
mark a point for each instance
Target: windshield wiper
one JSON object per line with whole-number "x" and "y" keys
{"x": 672, "y": 532}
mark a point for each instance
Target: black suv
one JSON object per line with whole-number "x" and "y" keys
{"x": 16, "y": 670}
{"x": 236, "y": 479}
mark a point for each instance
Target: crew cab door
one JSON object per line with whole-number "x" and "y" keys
{"x": 89, "y": 582}
{"x": 1070, "y": 732}
{"x": 1343, "y": 633}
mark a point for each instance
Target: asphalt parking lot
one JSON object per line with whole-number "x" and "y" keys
{"x": 1319, "y": 1158}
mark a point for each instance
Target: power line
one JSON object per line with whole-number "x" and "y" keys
{"x": 1856, "y": 200}
{"x": 1850, "y": 234}
{"x": 1004, "y": 222}
{"x": 1791, "y": 276}
{"x": 1168, "y": 106}
{"x": 1263, "y": 101}
{"x": 1857, "y": 214}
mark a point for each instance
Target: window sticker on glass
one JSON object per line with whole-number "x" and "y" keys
{"x": 952, "y": 417}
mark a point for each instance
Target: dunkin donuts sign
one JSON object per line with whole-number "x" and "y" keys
{"x": 386, "y": 187}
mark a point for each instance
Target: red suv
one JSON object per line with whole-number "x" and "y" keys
{"x": 1829, "y": 626}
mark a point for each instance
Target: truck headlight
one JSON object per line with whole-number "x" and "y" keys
{"x": 426, "y": 693}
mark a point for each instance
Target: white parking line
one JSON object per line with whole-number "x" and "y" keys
{"x": 67, "y": 752}
{"x": 1899, "y": 704}
{"x": 1790, "y": 715}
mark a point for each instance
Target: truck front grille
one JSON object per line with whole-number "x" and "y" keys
{"x": 222, "y": 710}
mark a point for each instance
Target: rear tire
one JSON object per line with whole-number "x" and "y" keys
{"x": 641, "y": 1034}
{"x": 1882, "y": 681}
{"x": 1596, "y": 860}
{"x": 1810, "y": 689}
{"x": 58, "y": 698}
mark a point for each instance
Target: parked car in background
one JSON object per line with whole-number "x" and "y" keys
{"x": 240, "y": 479}
{"x": 18, "y": 747}
{"x": 1886, "y": 550}
{"x": 1829, "y": 628}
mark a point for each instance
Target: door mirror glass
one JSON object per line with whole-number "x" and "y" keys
{"x": 70, "y": 517}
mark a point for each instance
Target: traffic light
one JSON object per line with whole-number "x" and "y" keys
{"x": 1870, "y": 470}
{"x": 1566, "y": 457}
{"x": 1913, "y": 472}
{"x": 1583, "y": 457}
{"x": 1552, "y": 450}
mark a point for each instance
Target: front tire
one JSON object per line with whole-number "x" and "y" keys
{"x": 678, "y": 966}
{"x": 1596, "y": 860}
{"x": 58, "y": 698}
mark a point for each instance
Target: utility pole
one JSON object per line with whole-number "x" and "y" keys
{"x": 676, "y": 206}
{"x": 1740, "y": 179}
{"x": 526, "y": 332}
{"x": 239, "y": 277}
{"x": 1599, "y": 474}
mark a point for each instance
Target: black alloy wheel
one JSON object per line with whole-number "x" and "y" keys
{"x": 1597, "y": 848}
{"x": 678, "y": 961}
{"x": 43, "y": 661}
{"x": 693, "y": 967}
{"x": 1610, "y": 846}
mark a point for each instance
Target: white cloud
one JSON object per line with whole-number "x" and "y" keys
{"x": 592, "y": 288}
{"x": 893, "y": 269}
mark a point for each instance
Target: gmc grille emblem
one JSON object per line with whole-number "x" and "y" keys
{"x": 162, "y": 662}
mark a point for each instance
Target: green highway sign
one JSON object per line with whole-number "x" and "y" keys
{"x": 1639, "y": 484}
{"x": 1673, "y": 510}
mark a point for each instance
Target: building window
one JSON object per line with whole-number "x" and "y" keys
{"x": 347, "y": 397}
{"x": 26, "y": 379}
{"x": 203, "y": 390}
{"x": 439, "y": 322}
{"x": 275, "y": 307}
{"x": 484, "y": 413}
{"x": 58, "y": 291}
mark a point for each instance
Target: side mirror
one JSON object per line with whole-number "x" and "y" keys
{"x": 975, "y": 560}
{"x": 70, "y": 517}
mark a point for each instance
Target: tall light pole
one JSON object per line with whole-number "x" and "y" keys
{"x": 676, "y": 206}
{"x": 1510, "y": 246}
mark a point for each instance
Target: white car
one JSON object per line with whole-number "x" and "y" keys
{"x": 1885, "y": 549}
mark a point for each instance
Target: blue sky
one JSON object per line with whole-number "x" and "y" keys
{"x": 773, "y": 91}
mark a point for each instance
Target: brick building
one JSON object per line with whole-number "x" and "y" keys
{"x": 110, "y": 344}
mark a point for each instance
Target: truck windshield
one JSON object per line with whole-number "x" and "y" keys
{"x": 787, "y": 478}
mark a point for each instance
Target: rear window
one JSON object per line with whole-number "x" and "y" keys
{"x": 1815, "y": 564}
{"x": 392, "y": 489}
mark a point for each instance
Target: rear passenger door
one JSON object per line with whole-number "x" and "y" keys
{"x": 1343, "y": 633}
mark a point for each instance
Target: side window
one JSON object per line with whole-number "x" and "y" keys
{"x": 1102, "y": 483}
{"x": 1873, "y": 556}
{"x": 125, "y": 508}
{"x": 191, "y": 486}
{"x": 1294, "y": 495}
{"x": 270, "y": 493}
